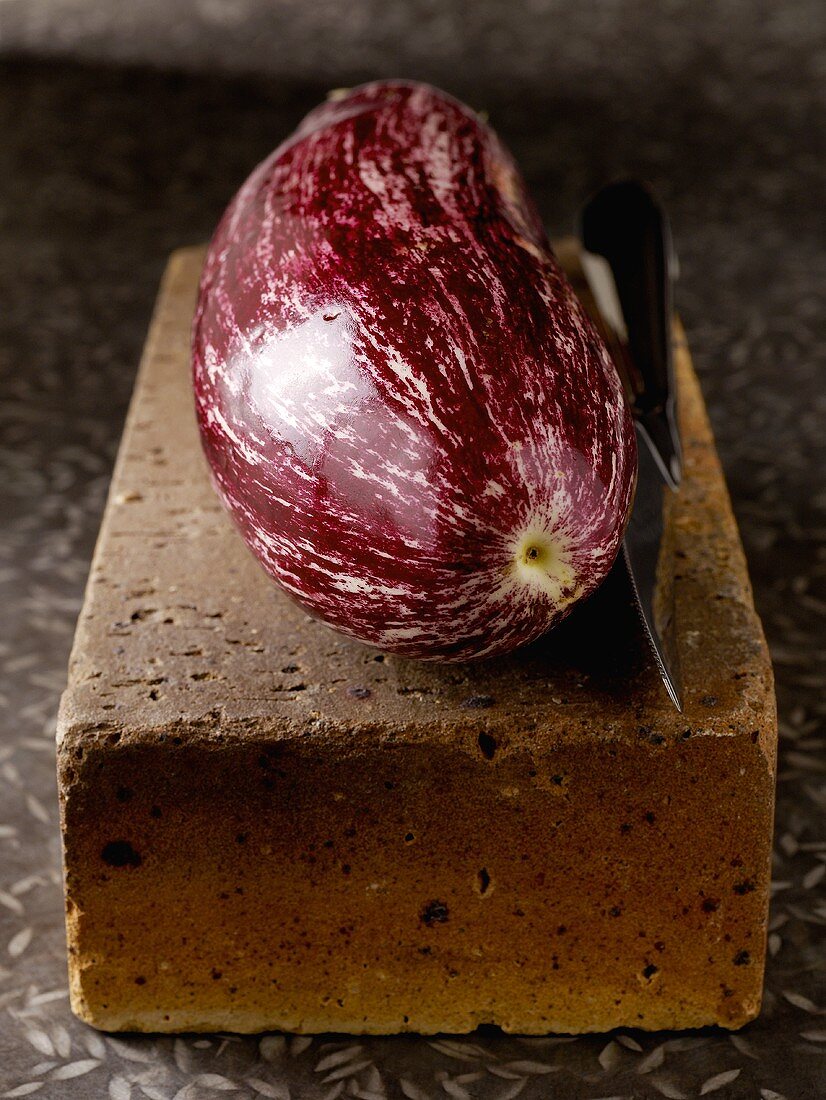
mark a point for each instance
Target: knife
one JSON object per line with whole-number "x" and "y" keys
{"x": 629, "y": 265}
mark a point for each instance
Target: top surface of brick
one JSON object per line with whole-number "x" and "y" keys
{"x": 181, "y": 629}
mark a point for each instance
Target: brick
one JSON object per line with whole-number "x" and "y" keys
{"x": 267, "y": 825}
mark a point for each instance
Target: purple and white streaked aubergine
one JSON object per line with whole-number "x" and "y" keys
{"x": 403, "y": 405}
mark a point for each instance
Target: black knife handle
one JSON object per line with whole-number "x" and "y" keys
{"x": 626, "y": 225}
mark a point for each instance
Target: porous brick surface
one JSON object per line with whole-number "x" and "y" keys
{"x": 267, "y": 825}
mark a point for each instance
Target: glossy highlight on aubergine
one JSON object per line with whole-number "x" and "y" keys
{"x": 403, "y": 405}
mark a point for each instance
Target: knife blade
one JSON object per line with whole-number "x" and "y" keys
{"x": 628, "y": 263}
{"x": 641, "y": 551}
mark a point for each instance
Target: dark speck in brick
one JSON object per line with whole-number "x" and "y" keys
{"x": 435, "y": 912}
{"x": 478, "y": 702}
{"x": 487, "y": 745}
{"x": 649, "y": 735}
{"x": 359, "y": 692}
{"x": 120, "y": 853}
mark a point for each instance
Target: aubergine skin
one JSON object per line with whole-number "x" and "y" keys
{"x": 403, "y": 405}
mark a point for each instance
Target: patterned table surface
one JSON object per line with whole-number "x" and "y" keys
{"x": 94, "y": 193}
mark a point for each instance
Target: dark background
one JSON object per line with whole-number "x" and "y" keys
{"x": 125, "y": 129}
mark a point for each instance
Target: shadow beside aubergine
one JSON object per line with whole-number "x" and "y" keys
{"x": 601, "y": 642}
{"x": 602, "y": 637}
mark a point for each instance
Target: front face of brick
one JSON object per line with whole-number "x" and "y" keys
{"x": 354, "y": 883}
